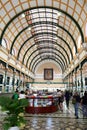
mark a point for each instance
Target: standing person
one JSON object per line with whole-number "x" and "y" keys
{"x": 76, "y": 97}
{"x": 15, "y": 95}
{"x": 60, "y": 100}
{"x": 22, "y": 95}
{"x": 59, "y": 97}
{"x": 84, "y": 104}
{"x": 67, "y": 98}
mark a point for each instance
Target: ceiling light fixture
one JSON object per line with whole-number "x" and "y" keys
{"x": 29, "y": 28}
{"x": 55, "y": 38}
{"x": 58, "y": 14}
{"x": 23, "y": 15}
{"x": 57, "y": 28}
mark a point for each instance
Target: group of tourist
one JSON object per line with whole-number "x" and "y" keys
{"x": 78, "y": 101}
{"x": 66, "y": 96}
{"x": 18, "y": 95}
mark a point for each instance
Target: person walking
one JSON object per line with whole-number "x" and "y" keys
{"x": 76, "y": 98}
{"x": 67, "y": 98}
{"x": 84, "y": 104}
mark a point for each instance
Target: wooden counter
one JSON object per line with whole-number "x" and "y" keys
{"x": 42, "y": 104}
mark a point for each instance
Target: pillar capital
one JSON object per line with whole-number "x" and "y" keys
{"x": 84, "y": 45}
{"x": 14, "y": 70}
{"x": 77, "y": 55}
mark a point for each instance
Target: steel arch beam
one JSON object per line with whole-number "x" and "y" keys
{"x": 60, "y": 10}
{"x": 62, "y": 68}
{"x": 42, "y": 41}
{"x": 48, "y": 58}
{"x": 46, "y": 52}
{"x": 45, "y": 47}
{"x": 57, "y": 59}
{"x": 48, "y": 33}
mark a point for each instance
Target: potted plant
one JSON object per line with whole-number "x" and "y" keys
{"x": 15, "y": 110}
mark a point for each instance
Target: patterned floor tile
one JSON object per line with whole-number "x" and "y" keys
{"x": 60, "y": 120}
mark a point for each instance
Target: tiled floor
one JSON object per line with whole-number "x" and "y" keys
{"x": 56, "y": 121}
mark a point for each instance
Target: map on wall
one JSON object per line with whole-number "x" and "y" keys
{"x": 48, "y": 74}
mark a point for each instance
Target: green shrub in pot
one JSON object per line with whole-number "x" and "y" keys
{"x": 15, "y": 110}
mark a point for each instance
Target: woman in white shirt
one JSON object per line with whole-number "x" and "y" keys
{"x": 22, "y": 95}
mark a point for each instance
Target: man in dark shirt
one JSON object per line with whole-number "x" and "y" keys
{"x": 76, "y": 96}
{"x": 84, "y": 104}
{"x": 67, "y": 98}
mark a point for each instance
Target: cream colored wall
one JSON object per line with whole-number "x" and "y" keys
{"x": 49, "y": 64}
{"x": 39, "y": 76}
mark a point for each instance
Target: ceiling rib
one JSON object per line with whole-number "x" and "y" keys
{"x": 40, "y": 34}
{"x": 59, "y": 10}
{"x": 59, "y": 63}
{"x": 44, "y": 52}
{"x": 45, "y": 48}
{"x": 48, "y": 52}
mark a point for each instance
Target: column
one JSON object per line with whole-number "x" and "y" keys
{"x": 76, "y": 79}
{"x": 69, "y": 82}
{"x": 23, "y": 82}
{"x": 5, "y": 78}
{"x": 72, "y": 81}
{"x": 81, "y": 78}
{"x": 19, "y": 81}
{"x": 14, "y": 71}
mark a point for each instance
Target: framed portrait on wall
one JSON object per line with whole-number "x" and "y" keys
{"x": 48, "y": 74}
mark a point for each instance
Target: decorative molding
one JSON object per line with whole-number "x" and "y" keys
{"x": 84, "y": 45}
{"x": 41, "y": 76}
{"x": 77, "y": 55}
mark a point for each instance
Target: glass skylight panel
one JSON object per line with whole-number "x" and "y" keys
{"x": 48, "y": 10}
{"x": 39, "y": 28}
{"x": 55, "y": 28}
{"x": 40, "y": 36}
{"x": 40, "y": 14}
{"x": 49, "y": 31}
{"x": 49, "y": 15}
{"x": 35, "y": 20}
{"x": 39, "y": 31}
{"x": 49, "y": 19}
{"x": 33, "y": 11}
{"x": 35, "y": 15}
{"x": 55, "y": 16}
{"x": 42, "y": 19}
{"x": 35, "y": 29}
{"x": 41, "y": 45}
{"x": 41, "y": 9}
{"x": 36, "y": 26}
{"x": 43, "y": 14}
{"x": 44, "y": 27}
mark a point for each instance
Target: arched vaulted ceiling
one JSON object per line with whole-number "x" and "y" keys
{"x": 40, "y": 30}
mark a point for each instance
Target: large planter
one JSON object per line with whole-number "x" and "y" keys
{"x": 14, "y": 128}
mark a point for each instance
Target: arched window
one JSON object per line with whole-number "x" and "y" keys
{"x": 70, "y": 57}
{"x": 86, "y": 31}
{"x": 79, "y": 42}
{"x": 1, "y": 79}
{"x": 13, "y": 52}
{"x": 74, "y": 51}
{"x": 4, "y": 43}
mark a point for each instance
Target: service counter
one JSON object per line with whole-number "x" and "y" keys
{"x": 42, "y": 104}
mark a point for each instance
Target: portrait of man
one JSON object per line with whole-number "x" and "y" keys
{"x": 48, "y": 74}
